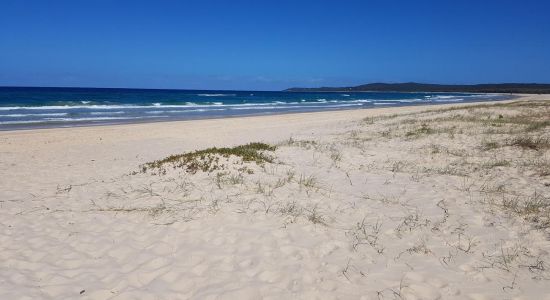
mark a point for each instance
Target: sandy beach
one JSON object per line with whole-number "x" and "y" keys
{"x": 418, "y": 202}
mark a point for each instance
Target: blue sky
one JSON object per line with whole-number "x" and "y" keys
{"x": 271, "y": 45}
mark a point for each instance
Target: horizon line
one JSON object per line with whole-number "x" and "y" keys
{"x": 283, "y": 90}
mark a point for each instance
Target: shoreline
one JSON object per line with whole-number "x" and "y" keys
{"x": 515, "y": 97}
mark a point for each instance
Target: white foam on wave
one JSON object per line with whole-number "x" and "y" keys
{"x": 360, "y": 101}
{"x": 34, "y": 115}
{"x": 193, "y": 110}
{"x": 101, "y": 113}
{"x": 57, "y": 120}
{"x": 443, "y": 97}
{"x": 401, "y": 100}
{"x": 217, "y": 95}
{"x": 207, "y": 104}
{"x": 96, "y": 119}
{"x": 410, "y": 100}
{"x": 155, "y": 112}
{"x": 97, "y": 107}
{"x": 293, "y": 106}
{"x": 462, "y": 97}
{"x": 20, "y": 122}
{"x": 190, "y": 110}
{"x": 88, "y": 119}
{"x": 182, "y": 111}
{"x": 65, "y": 107}
{"x": 449, "y": 100}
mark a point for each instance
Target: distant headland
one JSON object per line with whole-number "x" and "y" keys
{"x": 516, "y": 88}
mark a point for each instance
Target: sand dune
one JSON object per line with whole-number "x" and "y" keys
{"x": 440, "y": 202}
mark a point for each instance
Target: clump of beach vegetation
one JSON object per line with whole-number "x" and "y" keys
{"x": 208, "y": 160}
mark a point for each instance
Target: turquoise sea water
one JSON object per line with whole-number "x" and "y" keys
{"x": 61, "y": 107}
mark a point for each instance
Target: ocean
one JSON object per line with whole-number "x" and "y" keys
{"x": 25, "y": 108}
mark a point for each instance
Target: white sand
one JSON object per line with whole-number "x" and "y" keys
{"x": 353, "y": 213}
